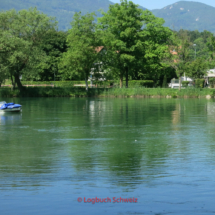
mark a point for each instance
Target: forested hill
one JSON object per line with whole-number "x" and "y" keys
{"x": 188, "y": 15}
{"x": 63, "y": 10}
{"x": 181, "y": 15}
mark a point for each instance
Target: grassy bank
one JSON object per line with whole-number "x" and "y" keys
{"x": 100, "y": 84}
{"x": 107, "y": 92}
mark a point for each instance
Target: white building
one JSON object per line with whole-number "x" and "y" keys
{"x": 210, "y": 73}
{"x": 175, "y": 82}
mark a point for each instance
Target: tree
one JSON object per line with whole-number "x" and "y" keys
{"x": 3, "y": 74}
{"x": 54, "y": 45}
{"x": 135, "y": 40}
{"x": 186, "y": 61}
{"x": 180, "y": 54}
{"x": 197, "y": 68}
{"x": 21, "y": 34}
{"x": 211, "y": 47}
{"x": 82, "y": 42}
{"x": 201, "y": 49}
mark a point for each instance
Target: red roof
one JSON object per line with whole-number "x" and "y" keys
{"x": 99, "y": 48}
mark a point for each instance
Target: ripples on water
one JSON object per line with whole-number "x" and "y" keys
{"x": 160, "y": 151}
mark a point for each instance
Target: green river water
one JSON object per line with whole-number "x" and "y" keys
{"x": 59, "y": 154}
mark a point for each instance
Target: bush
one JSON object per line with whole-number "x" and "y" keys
{"x": 68, "y": 83}
{"x": 199, "y": 83}
{"x": 212, "y": 82}
{"x": 137, "y": 83}
{"x": 103, "y": 83}
{"x": 6, "y": 92}
{"x": 185, "y": 83}
{"x": 131, "y": 84}
{"x": 56, "y": 83}
{"x": 141, "y": 83}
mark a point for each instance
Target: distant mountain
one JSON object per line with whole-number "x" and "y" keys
{"x": 63, "y": 10}
{"x": 188, "y": 15}
{"x": 181, "y": 15}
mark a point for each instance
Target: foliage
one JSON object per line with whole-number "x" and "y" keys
{"x": 141, "y": 83}
{"x": 21, "y": 34}
{"x": 56, "y": 83}
{"x": 137, "y": 83}
{"x": 201, "y": 41}
{"x": 164, "y": 85}
{"x": 181, "y": 45}
{"x": 130, "y": 46}
{"x": 199, "y": 83}
{"x": 53, "y": 83}
{"x": 197, "y": 68}
{"x": 3, "y": 74}
{"x": 185, "y": 83}
{"x": 127, "y": 43}
{"x": 107, "y": 92}
{"x": 82, "y": 43}
{"x": 212, "y": 82}
{"x": 211, "y": 48}
{"x": 105, "y": 84}
{"x": 54, "y": 45}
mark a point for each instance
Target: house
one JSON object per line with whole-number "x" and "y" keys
{"x": 100, "y": 75}
{"x": 175, "y": 82}
{"x": 210, "y": 74}
{"x": 173, "y": 52}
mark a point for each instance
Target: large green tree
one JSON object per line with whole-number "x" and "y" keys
{"x": 135, "y": 40}
{"x": 54, "y": 45}
{"x": 82, "y": 43}
{"x": 21, "y": 35}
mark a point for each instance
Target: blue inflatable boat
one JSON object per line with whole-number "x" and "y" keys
{"x": 10, "y": 107}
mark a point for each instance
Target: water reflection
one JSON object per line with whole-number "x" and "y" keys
{"x": 27, "y": 156}
{"x": 133, "y": 149}
{"x": 176, "y": 114}
{"x": 210, "y": 109}
{"x": 160, "y": 151}
{"x": 124, "y": 142}
{"x": 10, "y": 118}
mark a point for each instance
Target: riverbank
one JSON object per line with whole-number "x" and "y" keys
{"x": 109, "y": 92}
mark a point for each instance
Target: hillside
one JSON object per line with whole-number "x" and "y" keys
{"x": 188, "y": 15}
{"x": 63, "y": 10}
{"x": 183, "y": 14}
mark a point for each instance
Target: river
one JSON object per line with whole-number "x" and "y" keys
{"x": 139, "y": 156}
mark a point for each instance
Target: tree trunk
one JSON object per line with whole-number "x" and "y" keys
{"x": 13, "y": 83}
{"x": 17, "y": 81}
{"x": 126, "y": 78}
{"x": 121, "y": 81}
{"x": 86, "y": 83}
{"x": 179, "y": 82}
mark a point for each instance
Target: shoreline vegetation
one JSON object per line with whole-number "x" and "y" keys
{"x": 138, "y": 92}
{"x": 113, "y": 47}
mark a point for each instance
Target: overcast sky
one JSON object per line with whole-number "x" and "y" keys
{"x": 158, "y": 4}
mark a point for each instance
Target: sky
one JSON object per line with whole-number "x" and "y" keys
{"x": 158, "y": 4}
